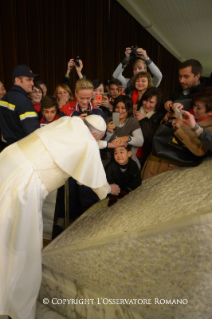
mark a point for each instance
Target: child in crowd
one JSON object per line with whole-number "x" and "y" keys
{"x": 114, "y": 90}
{"x": 124, "y": 172}
{"x": 50, "y": 109}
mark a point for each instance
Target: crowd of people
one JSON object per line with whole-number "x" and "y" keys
{"x": 100, "y": 137}
{"x": 132, "y": 109}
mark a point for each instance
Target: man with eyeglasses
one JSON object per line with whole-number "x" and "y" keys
{"x": 17, "y": 114}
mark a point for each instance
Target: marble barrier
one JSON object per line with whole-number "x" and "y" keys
{"x": 147, "y": 257}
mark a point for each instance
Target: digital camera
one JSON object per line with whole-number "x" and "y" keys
{"x": 134, "y": 52}
{"x": 76, "y": 61}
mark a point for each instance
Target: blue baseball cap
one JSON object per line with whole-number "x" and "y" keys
{"x": 23, "y": 70}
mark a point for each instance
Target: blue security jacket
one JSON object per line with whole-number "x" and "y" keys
{"x": 18, "y": 117}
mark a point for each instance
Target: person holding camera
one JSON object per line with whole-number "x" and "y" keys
{"x": 202, "y": 112}
{"x": 201, "y": 133}
{"x": 140, "y": 63}
{"x": 104, "y": 103}
{"x": 83, "y": 104}
{"x": 77, "y": 63}
{"x": 190, "y": 83}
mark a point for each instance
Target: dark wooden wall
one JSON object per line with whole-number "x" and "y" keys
{"x": 45, "y": 34}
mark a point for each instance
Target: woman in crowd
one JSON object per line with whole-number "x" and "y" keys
{"x": 202, "y": 111}
{"x": 63, "y": 94}
{"x": 128, "y": 131}
{"x": 43, "y": 87}
{"x": 141, "y": 82}
{"x": 36, "y": 96}
{"x": 83, "y": 104}
{"x": 204, "y": 135}
{"x": 140, "y": 64}
{"x": 2, "y": 90}
{"x": 149, "y": 114}
{"x": 104, "y": 105}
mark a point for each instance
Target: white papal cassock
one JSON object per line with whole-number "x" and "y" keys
{"x": 29, "y": 170}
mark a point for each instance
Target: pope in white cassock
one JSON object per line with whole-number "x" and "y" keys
{"x": 29, "y": 170}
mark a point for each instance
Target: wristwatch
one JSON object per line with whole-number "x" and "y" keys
{"x": 130, "y": 138}
{"x": 195, "y": 128}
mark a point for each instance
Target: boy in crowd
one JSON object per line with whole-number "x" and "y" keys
{"x": 124, "y": 172}
{"x": 114, "y": 89}
{"x": 49, "y": 109}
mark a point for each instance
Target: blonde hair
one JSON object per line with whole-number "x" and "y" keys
{"x": 83, "y": 84}
{"x": 142, "y": 75}
{"x": 139, "y": 61}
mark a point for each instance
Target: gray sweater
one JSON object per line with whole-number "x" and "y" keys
{"x": 206, "y": 138}
{"x": 157, "y": 75}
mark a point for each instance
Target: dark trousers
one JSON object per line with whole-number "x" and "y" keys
{"x": 80, "y": 199}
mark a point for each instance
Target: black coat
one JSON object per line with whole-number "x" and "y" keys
{"x": 18, "y": 117}
{"x": 149, "y": 126}
{"x": 194, "y": 90}
{"x": 128, "y": 180}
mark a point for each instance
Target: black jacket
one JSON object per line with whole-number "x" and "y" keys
{"x": 18, "y": 117}
{"x": 149, "y": 127}
{"x": 177, "y": 95}
{"x": 128, "y": 180}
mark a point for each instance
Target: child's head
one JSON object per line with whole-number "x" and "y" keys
{"x": 114, "y": 86}
{"x": 49, "y": 107}
{"x": 122, "y": 154}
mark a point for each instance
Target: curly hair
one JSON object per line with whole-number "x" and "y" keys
{"x": 142, "y": 75}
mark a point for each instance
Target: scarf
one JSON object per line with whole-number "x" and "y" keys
{"x": 135, "y": 97}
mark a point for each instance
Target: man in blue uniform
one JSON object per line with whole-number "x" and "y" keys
{"x": 18, "y": 117}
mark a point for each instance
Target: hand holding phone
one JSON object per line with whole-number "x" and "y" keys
{"x": 177, "y": 112}
{"x": 116, "y": 117}
{"x": 99, "y": 98}
{"x": 88, "y": 112}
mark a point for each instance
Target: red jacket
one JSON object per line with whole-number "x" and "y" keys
{"x": 73, "y": 109}
{"x": 72, "y": 106}
{"x": 44, "y": 122}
